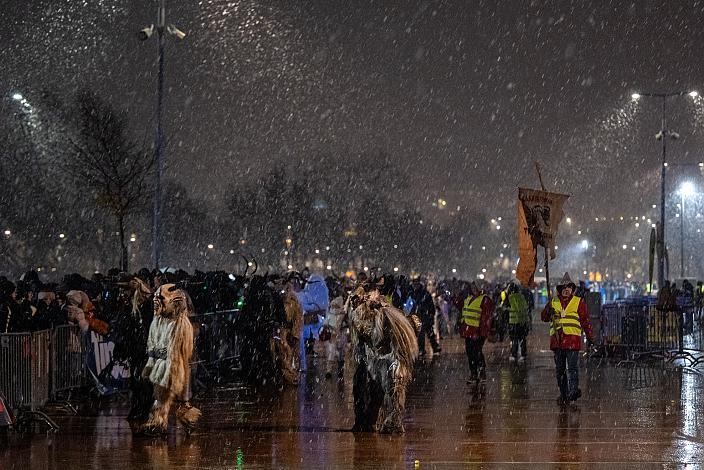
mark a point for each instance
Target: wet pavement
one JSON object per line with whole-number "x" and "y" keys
{"x": 628, "y": 416}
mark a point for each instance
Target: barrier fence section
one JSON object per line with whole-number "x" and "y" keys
{"x": 39, "y": 366}
{"x": 25, "y": 361}
{"x": 68, "y": 359}
{"x": 216, "y": 339}
{"x": 638, "y": 329}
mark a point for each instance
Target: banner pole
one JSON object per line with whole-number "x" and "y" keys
{"x": 555, "y": 324}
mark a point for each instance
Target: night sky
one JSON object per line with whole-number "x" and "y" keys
{"x": 463, "y": 95}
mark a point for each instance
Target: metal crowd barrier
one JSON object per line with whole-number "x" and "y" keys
{"x": 68, "y": 360}
{"x": 45, "y": 365}
{"x": 216, "y": 342}
{"x": 25, "y": 366}
{"x": 642, "y": 329}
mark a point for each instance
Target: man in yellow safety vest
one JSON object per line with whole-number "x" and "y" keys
{"x": 568, "y": 319}
{"x": 474, "y": 327}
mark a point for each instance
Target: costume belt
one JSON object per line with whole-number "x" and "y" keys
{"x": 160, "y": 353}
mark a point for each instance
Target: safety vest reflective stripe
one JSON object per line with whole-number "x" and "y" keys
{"x": 568, "y": 318}
{"x": 472, "y": 311}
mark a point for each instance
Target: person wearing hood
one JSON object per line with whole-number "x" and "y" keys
{"x": 314, "y": 302}
{"x": 518, "y": 323}
{"x": 568, "y": 317}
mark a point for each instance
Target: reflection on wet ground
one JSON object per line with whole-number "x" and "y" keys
{"x": 628, "y": 415}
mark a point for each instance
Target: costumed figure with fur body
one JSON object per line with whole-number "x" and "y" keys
{"x": 270, "y": 325}
{"x": 385, "y": 347}
{"x": 169, "y": 351}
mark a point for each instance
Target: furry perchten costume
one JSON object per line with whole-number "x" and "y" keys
{"x": 169, "y": 350}
{"x": 285, "y": 342}
{"x": 385, "y": 347}
{"x": 270, "y": 326}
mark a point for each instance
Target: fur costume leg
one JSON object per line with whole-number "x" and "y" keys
{"x": 283, "y": 355}
{"x": 361, "y": 397}
{"x": 391, "y": 416}
{"x": 159, "y": 416}
{"x": 368, "y": 399}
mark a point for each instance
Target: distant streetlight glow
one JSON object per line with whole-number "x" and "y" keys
{"x": 17, "y": 97}
{"x": 210, "y": 246}
{"x": 8, "y": 233}
{"x": 693, "y": 94}
{"x": 687, "y": 189}
{"x": 61, "y": 235}
{"x": 585, "y": 244}
{"x": 635, "y": 96}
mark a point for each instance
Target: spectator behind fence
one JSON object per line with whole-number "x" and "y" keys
{"x": 11, "y": 318}
{"x": 50, "y": 312}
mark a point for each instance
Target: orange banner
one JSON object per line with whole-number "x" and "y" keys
{"x": 539, "y": 216}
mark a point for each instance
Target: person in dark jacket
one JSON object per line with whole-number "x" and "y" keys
{"x": 424, "y": 308}
{"x": 12, "y": 319}
{"x": 568, "y": 318}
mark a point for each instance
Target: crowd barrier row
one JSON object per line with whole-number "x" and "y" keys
{"x": 636, "y": 330}
{"x": 40, "y": 367}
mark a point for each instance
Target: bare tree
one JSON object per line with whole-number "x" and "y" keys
{"x": 105, "y": 160}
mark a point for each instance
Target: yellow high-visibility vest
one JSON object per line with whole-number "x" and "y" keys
{"x": 472, "y": 311}
{"x": 568, "y": 318}
{"x": 518, "y": 309}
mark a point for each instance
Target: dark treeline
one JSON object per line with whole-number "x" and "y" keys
{"x": 77, "y": 185}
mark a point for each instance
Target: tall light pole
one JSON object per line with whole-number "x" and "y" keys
{"x": 663, "y": 135}
{"x": 161, "y": 29}
{"x": 686, "y": 190}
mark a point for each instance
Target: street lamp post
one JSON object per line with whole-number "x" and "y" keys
{"x": 663, "y": 135}
{"x": 161, "y": 29}
{"x": 686, "y": 190}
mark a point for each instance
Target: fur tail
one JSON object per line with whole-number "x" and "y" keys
{"x": 403, "y": 338}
